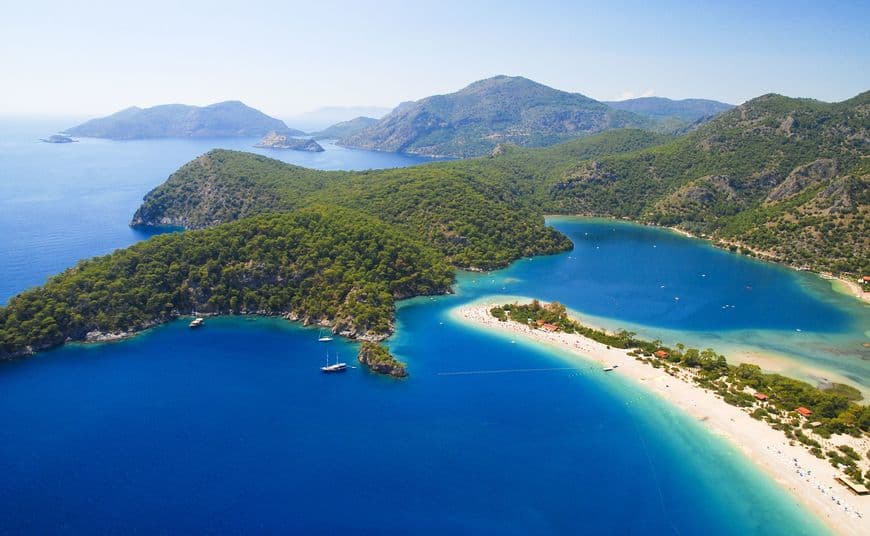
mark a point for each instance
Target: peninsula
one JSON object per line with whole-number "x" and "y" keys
{"x": 814, "y": 443}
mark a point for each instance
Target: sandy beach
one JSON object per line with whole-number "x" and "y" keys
{"x": 849, "y": 287}
{"x": 809, "y": 479}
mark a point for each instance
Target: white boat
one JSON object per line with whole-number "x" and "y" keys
{"x": 196, "y": 322}
{"x": 608, "y": 369}
{"x": 335, "y": 367}
{"x": 324, "y": 338}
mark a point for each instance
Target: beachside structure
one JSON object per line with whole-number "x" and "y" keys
{"x": 857, "y": 489}
{"x": 661, "y": 354}
{"x": 552, "y": 328}
{"x": 804, "y": 412}
{"x": 761, "y": 396}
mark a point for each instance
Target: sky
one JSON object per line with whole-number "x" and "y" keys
{"x": 287, "y": 57}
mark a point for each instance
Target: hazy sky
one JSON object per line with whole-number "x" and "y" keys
{"x": 284, "y": 57}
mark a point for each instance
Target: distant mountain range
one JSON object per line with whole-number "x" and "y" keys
{"x": 501, "y": 109}
{"x": 784, "y": 177}
{"x": 662, "y": 109}
{"x": 345, "y": 128}
{"x": 224, "y": 119}
{"x": 469, "y": 122}
{"x": 321, "y": 118}
{"x": 788, "y": 179}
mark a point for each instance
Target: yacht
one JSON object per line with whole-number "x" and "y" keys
{"x": 335, "y": 367}
{"x": 197, "y": 322}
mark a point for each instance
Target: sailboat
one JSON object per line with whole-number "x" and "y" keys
{"x": 324, "y": 338}
{"x": 335, "y": 367}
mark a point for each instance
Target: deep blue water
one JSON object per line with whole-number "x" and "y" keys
{"x": 63, "y": 202}
{"x": 232, "y": 428}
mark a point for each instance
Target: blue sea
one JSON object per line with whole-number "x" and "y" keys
{"x": 63, "y": 202}
{"x": 233, "y": 429}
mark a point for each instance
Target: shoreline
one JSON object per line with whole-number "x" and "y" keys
{"x": 807, "y": 478}
{"x": 853, "y": 288}
{"x": 737, "y": 352}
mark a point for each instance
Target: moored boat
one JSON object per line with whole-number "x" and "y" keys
{"x": 335, "y": 367}
{"x": 324, "y": 338}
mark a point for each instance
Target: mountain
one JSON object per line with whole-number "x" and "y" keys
{"x": 662, "y": 109}
{"x": 224, "y": 119}
{"x": 345, "y": 128}
{"x": 786, "y": 178}
{"x": 783, "y": 178}
{"x": 322, "y": 118}
{"x": 503, "y": 109}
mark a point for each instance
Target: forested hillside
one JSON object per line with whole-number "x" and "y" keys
{"x": 787, "y": 177}
{"x": 501, "y": 109}
{"x": 315, "y": 264}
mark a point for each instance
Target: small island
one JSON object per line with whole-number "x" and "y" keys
{"x": 230, "y": 119}
{"x": 276, "y": 140}
{"x": 58, "y": 138}
{"x": 379, "y": 360}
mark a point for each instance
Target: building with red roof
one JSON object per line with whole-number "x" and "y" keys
{"x": 804, "y": 412}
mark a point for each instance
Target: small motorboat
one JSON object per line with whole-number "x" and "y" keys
{"x": 324, "y": 338}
